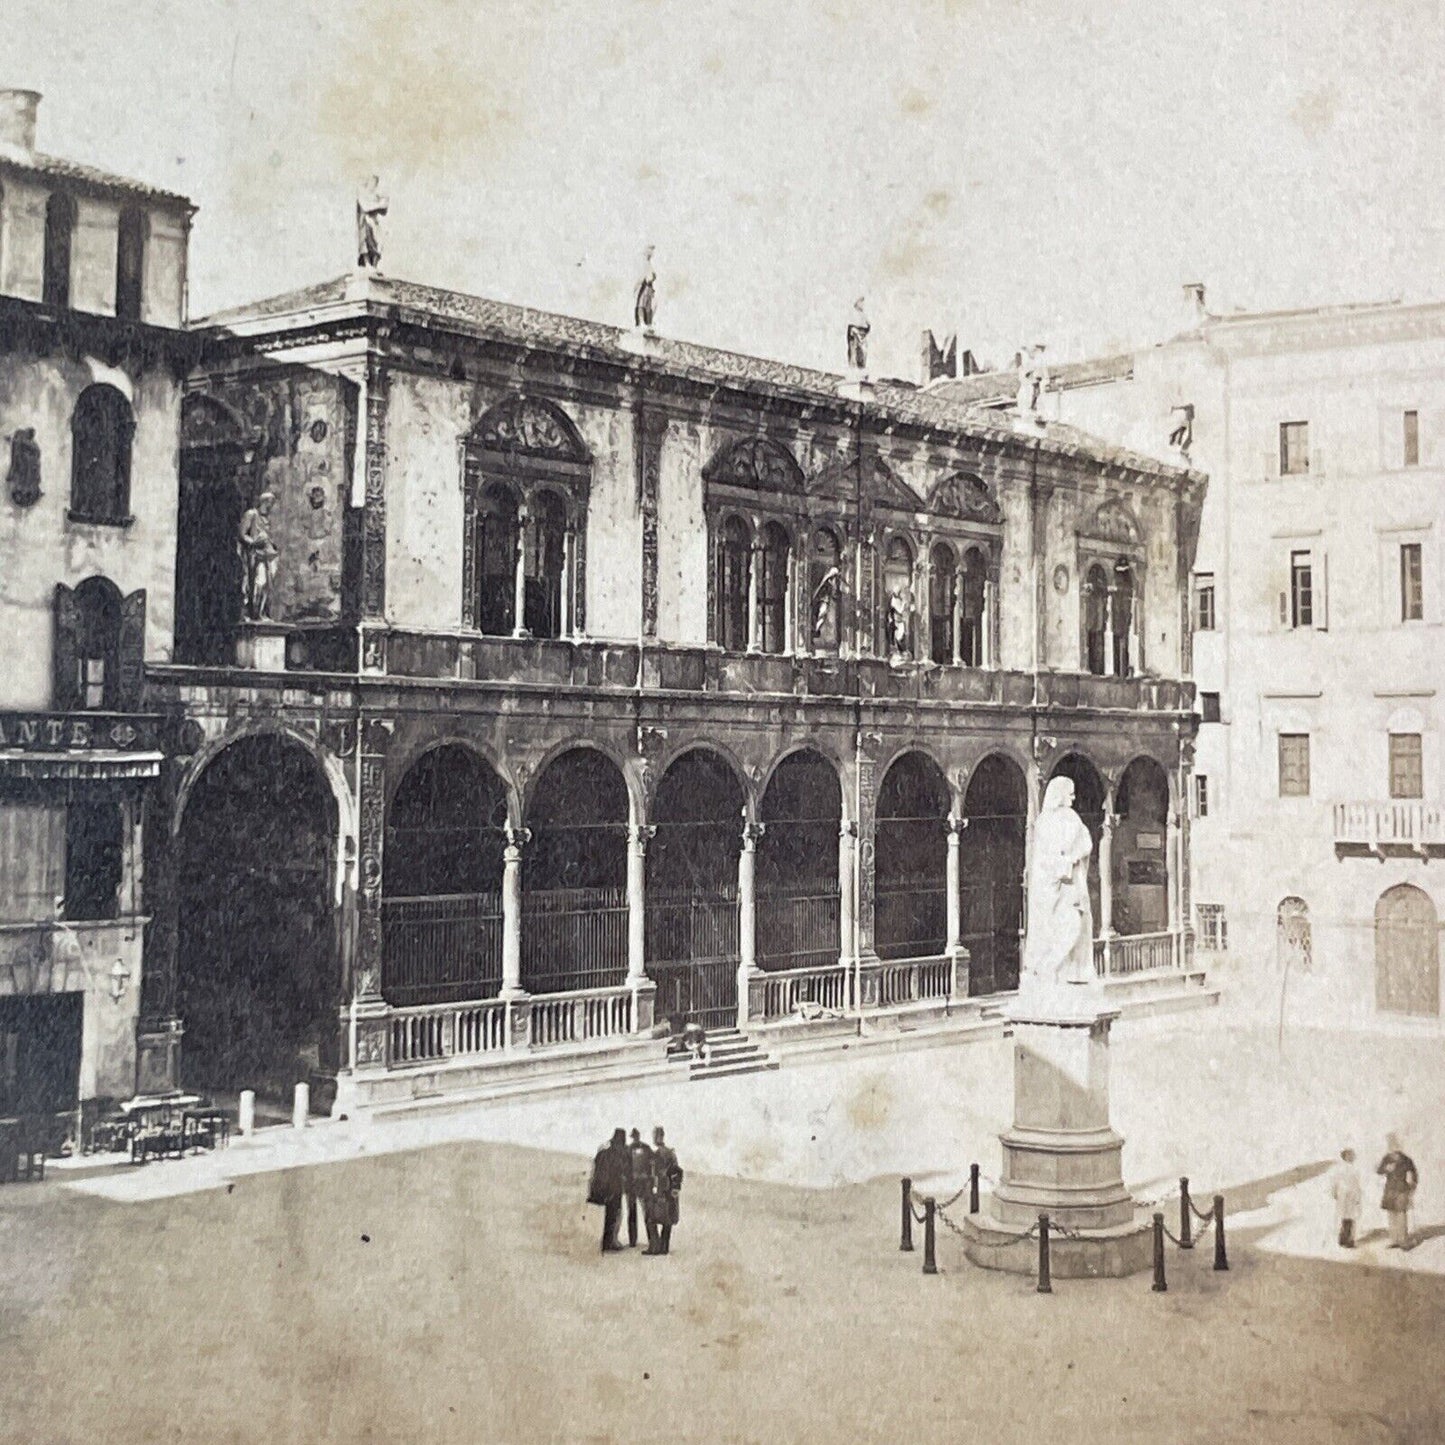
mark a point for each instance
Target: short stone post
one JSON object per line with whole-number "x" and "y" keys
{"x": 1221, "y": 1258}
{"x": 930, "y": 1260}
{"x": 1046, "y": 1285}
{"x": 973, "y": 1188}
{"x": 905, "y": 1238}
{"x": 1186, "y": 1217}
{"x": 301, "y": 1106}
{"x": 1160, "y": 1283}
{"x": 246, "y": 1114}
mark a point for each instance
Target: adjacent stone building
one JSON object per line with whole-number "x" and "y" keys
{"x": 604, "y": 679}
{"x": 92, "y": 361}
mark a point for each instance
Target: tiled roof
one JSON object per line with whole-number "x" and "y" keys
{"x": 936, "y": 406}
{"x": 82, "y": 175}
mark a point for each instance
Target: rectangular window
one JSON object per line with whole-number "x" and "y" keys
{"x": 1209, "y": 706}
{"x": 1204, "y": 602}
{"x": 1201, "y": 795}
{"x": 1412, "y": 583}
{"x": 1294, "y": 765}
{"x": 1407, "y": 770}
{"x": 1294, "y": 448}
{"x": 1213, "y": 927}
{"x": 1301, "y": 590}
{"x": 1412, "y": 438}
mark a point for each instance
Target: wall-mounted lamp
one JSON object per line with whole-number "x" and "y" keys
{"x": 119, "y": 979}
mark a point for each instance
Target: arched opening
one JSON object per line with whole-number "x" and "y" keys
{"x": 102, "y": 428}
{"x": 734, "y": 573}
{"x": 1096, "y": 620}
{"x": 991, "y": 873}
{"x": 546, "y": 566}
{"x": 773, "y": 588}
{"x": 1089, "y": 794}
{"x": 574, "y": 879}
{"x": 97, "y": 644}
{"x": 1407, "y": 953}
{"x": 441, "y": 905}
{"x": 209, "y": 572}
{"x": 797, "y": 867}
{"x": 825, "y": 581}
{"x": 1122, "y": 619}
{"x": 1293, "y": 943}
{"x": 973, "y": 609}
{"x": 496, "y": 579}
{"x": 1141, "y": 860}
{"x": 911, "y": 919}
{"x": 130, "y": 262}
{"x": 942, "y": 602}
{"x": 898, "y": 596}
{"x": 692, "y": 891}
{"x": 258, "y": 978}
{"x": 59, "y": 235}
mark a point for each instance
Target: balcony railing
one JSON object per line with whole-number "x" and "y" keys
{"x": 1414, "y": 826}
{"x": 1126, "y": 955}
{"x": 907, "y": 980}
{"x": 782, "y": 994}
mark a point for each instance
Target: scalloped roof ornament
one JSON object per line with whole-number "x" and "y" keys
{"x": 530, "y": 425}
{"x": 757, "y": 462}
{"x": 966, "y": 496}
{"x": 881, "y": 483}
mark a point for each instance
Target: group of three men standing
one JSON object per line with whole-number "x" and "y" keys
{"x": 651, "y": 1177}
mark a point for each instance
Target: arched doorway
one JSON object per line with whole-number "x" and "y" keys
{"x": 441, "y": 906}
{"x": 1089, "y": 794}
{"x": 574, "y": 878}
{"x": 911, "y": 917}
{"x": 1141, "y": 863}
{"x": 1407, "y": 953}
{"x": 1293, "y": 944}
{"x": 991, "y": 873}
{"x": 208, "y": 561}
{"x": 797, "y": 868}
{"x": 692, "y": 891}
{"x": 258, "y": 976}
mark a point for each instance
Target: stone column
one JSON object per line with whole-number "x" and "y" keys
{"x": 958, "y": 616}
{"x": 847, "y": 886}
{"x": 1106, "y": 870}
{"x": 566, "y": 623}
{"x": 747, "y": 917}
{"x": 159, "y": 1030}
{"x": 953, "y": 875}
{"x": 638, "y": 837}
{"x": 790, "y": 604}
{"x": 755, "y": 619}
{"x": 514, "y": 997}
{"x": 1109, "y": 631}
{"x": 519, "y": 576}
{"x": 1172, "y": 890}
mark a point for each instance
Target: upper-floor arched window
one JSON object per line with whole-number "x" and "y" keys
{"x": 102, "y": 428}
{"x": 59, "y": 232}
{"x": 130, "y": 263}
{"x": 734, "y": 564}
{"x": 974, "y": 620}
{"x": 546, "y": 566}
{"x": 1096, "y": 620}
{"x": 773, "y": 588}
{"x": 898, "y": 599}
{"x": 825, "y": 583}
{"x": 942, "y": 602}
{"x": 1121, "y": 620}
{"x": 496, "y": 562}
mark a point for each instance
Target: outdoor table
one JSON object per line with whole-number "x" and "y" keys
{"x": 204, "y": 1128}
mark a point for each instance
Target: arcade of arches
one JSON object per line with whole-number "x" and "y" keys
{"x": 568, "y": 892}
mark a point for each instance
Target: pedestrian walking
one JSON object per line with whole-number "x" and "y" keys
{"x": 662, "y": 1202}
{"x": 610, "y": 1173}
{"x": 1348, "y": 1196}
{"x": 1401, "y": 1177}
{"x": 639, "y": 1183}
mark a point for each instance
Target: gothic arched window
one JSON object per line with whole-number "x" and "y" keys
{"x": 101, "y": 431}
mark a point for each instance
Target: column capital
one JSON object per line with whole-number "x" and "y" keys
{"x": 517, "y": 838}
{"x": 848, "y": 828}
{"x": 956, "y": 826}
{"x": 639, "y": 835}
{"x": 752, "y": 832}
{"x": 1111, "y": 820}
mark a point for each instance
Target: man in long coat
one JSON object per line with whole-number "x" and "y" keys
{"x": 639, "y": 1183}
{"x": 662, "y": 1200}
{"x": 611, "y": 1170}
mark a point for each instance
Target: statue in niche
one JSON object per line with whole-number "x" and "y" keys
{"x": 825, "y": 608}
{"x": 858, "y": 329}
{"x": 258, "y": 557}
{"x": 371, "y": 206}
{"x": 1181, "y": 428}
{"x": 24, "y": 468}
{"x": 900, "y": 621}
{"x": 1059, "y": 939}
{"x": 644, "y": 299}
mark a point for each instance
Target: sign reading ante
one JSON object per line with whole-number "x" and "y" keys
{"x": 66, "y": 732}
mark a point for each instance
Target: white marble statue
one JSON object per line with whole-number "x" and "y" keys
{"x": 1059, "y": 939}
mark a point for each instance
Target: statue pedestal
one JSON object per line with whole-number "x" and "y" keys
{"x": 261, "y": 646}
{"x": 641, "y": 340}
{"x": 1061, "y": 1157}
{"x": 856, "y": 386}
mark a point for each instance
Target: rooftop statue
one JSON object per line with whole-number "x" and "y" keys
{"x": 644, "y": 301}
{"x": 371, "y": 206}
{"x": 858, "y": 329}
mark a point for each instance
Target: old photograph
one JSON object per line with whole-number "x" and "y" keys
{"x": 800, "y": 643}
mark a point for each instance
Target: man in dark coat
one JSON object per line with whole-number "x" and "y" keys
{"x": 662, "y": 1200}
{"x": 639, "y": 1183}
{"x": 611, "y": 1170}
{"x": 1401, "y": 1180}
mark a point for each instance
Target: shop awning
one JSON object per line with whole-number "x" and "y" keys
{"x": 81, "y": 764}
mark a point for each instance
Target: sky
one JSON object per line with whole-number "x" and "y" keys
{"x": 1049, "y": 172}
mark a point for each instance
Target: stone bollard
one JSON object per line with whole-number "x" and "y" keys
{"x": 1221, "y": 1259}
{"x": 1186, "y": 1219}
{"x": 301, "y": 1106}
{"x": 905, "y": 1238}
{"x": 246, "y": 1114}
{"x": 1160, "y": 1283}
{"x": 1046, "y": 1284}
{"x": 930, "y": 1260}
{"x": 973, "y": 1188}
